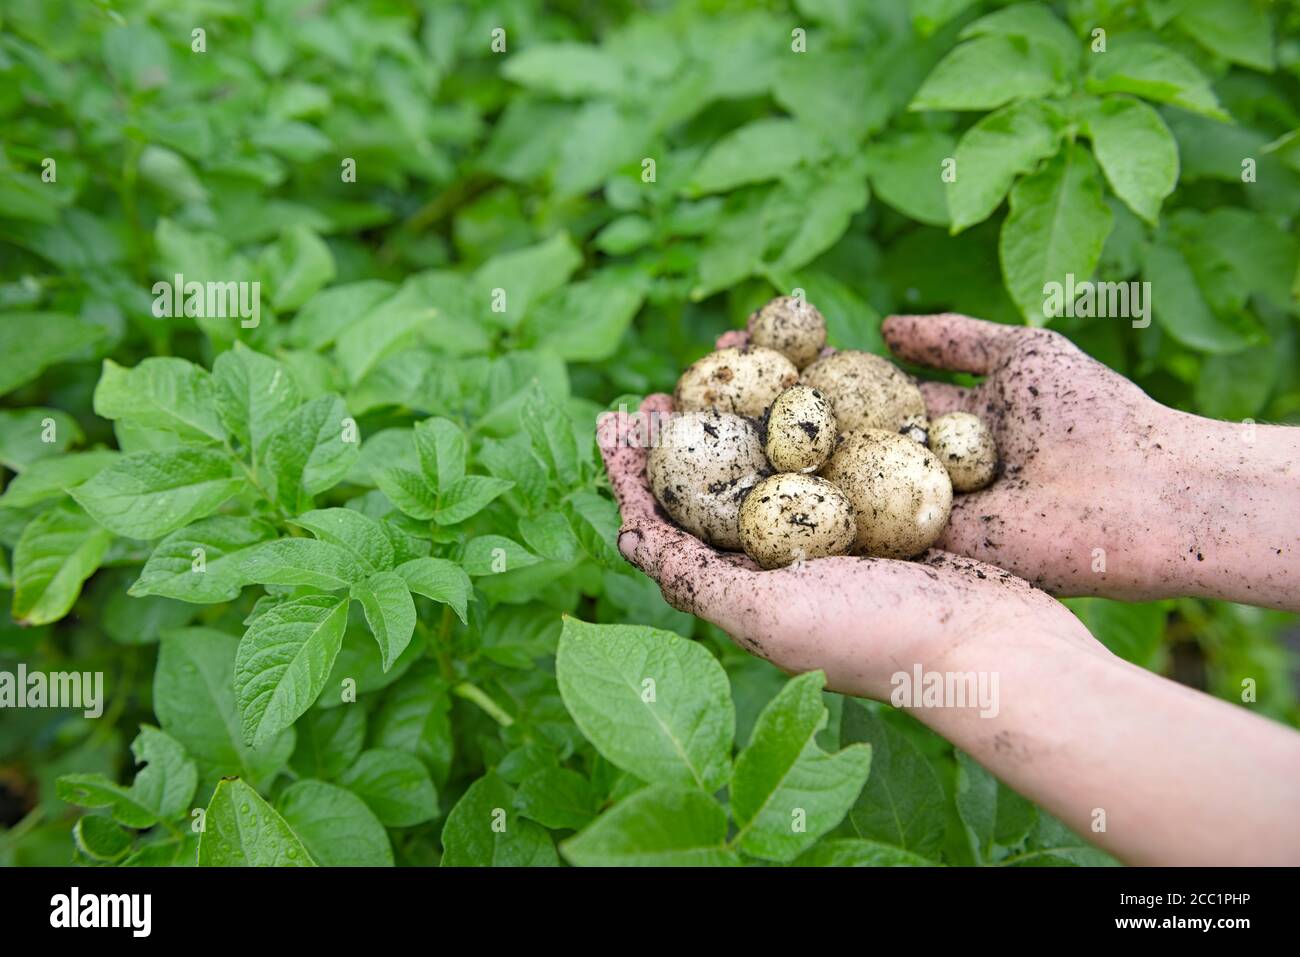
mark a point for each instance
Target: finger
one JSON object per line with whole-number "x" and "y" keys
{"x": 942, "y": 398}
{"x": 624, "y": 441}
{"x": 693, "y": 577}
{"x": 948, "y": 341}
{"x": 737, "y": 338}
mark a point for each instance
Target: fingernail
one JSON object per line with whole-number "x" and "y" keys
{"x": 628, "y": 540}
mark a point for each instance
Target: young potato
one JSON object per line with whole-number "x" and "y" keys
{"x": 792, "y": 517}
{"x": 866, "y": 391}
{"x": 741, "y": 380}
{"x": 801, "y": 430}
{"x": 700, "y": 469}
{"x": 791, "y": 326}
{"x": 899, "y": 489}
{"x": 964, "y": 444}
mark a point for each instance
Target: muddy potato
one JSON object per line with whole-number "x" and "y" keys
{"x": 740, "y": 380}
{"x": 900, "y": 491}
{"x": 866, "y": 391}
{"x": 801, "y": 430}
{"x": 791, "y": 517}
{"x": 791, "y": 326}
{"x": 964, "y": 444}
{"x": 700, "y": 468}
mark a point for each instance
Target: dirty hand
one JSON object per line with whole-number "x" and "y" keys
{"x": 1103, "y": 490}
{"x": 860, "y": 620}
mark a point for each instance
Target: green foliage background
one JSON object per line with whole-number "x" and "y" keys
{"x": 523, "y": 171}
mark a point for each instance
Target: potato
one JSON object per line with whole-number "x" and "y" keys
{"x": 740, "y": 380}
{"x": 791, "y": 326}
{"x": 700, "y": 469}
{"x": 964, "y": 444}
{"x": 801, "y": 430}
{"x": 792, "y": 517}
{"x": 898, "y": 488}
{"x": 866, "y": 391}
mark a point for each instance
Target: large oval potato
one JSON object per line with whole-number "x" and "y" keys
{"x": 742, "y": 380}
{"x": 867, "y": 392}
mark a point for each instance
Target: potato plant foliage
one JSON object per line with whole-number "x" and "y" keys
{"x": 348, "y": 566}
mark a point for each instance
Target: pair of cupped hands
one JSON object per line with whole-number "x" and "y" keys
{"x": 1068, "y": 513}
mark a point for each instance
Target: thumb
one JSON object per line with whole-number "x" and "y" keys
{"x": 948, "y": 341}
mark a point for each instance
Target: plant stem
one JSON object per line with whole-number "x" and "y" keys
{"x": 472, "y": 692}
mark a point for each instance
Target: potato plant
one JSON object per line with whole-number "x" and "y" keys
{"x": 307, "y": 314}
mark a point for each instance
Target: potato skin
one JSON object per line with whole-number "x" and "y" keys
{"x": 899, "y": 489}
{"x": 701, "y": 468}
{"x": 801, "y": 430}
{"x": 866, "y": 391}
{"x": 742, "y": 380}
{"x": 964, "y": 444}
{"x": 790, "y": 325}
{"x": 790, "y": 517}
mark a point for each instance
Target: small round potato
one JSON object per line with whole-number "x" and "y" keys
{"x": 801, "y": 430}
{"x": 898, "y": 488}
{"x": 700, "y": 469}
{"x": 964, "y": 444}
{"x": 791, "y": 326}
{"x": 866, "y": 391}
{"x": 793, "y": 517}
{"x": 741, "y": 380}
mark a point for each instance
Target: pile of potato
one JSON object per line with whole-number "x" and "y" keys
{"x": 791, "y": 452}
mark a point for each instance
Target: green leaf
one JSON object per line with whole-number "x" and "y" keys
{"x": 754, "y": 153}
{"x": 550, "y": 535}
{"x": 415, "y": 717}
{"x": 570, "y": 70}
{"x": 1240, "y": 31}
{"x": 440, "y": 580}
{"x": 330, "y": 312}
{"x": 390, "y": 612}
{"x": 467, "y": 497}
{"x": 484, "y": 830}
{"x": 1136, "y": 151}
{"x": 659, "y": 826}
{"x": 1155, "y": 72}
{"x": 200, "y": 563}
{"x": 312, "y": 450}
{"x": 145, "y": 495}
{"x": 395, "y": 786}
{"x": 1057, "y": 227}
{"x": 408, "y": 491}
{"x": 993, "y": 812}
{"x": 335, "y": 826}
{"x": 170, "y": 394}
{"x": 557, "y": 798}
{"x": 162, "y": 790}
{"x": 25, "y": 354}
{"x": 52, "y": 477}
{"x": 1180, "y": 307}
{"x": 786, "y": 792}
{"x": 298, "y": 265}
{"x": 1236, "y": 386}
{"x": 907, "y": 173}
{"x": 283, "y": 661}
{"x": 442, "y": 448}
{"x": 854, "y": 852}
{"x": 363, "y": 538}
{"x": 595, "y": 521}
{"x": 511, "y": 282}
{"x": 242, "y": 830}
{"x": 28, "y": 436}
{"x": 58, "y": 550}
{"x": 1036, "y": 24}
{"x": 301, "y": 561}
{"x": 991, "y": 154}
{"x": 100, "y": 839}
{"x": 985, "y": 73}
{"x": 552, "y": 437}
{"x": 650, "y": 702}
{"x": 194, "y": 698}
{"x": 1134, "y": 631}
{"x": 903, "y": 802}
{"x": 585, "y": 321}
{"x": 254, "y": 394}
{"x": 826, "y": 211}
{"x": 329, "y": 740}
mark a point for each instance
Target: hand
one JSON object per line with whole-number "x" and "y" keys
{"x": 1102, "y": 490}
{"x": 861, "y": 620}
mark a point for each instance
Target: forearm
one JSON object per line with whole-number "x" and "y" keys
{"x": 1233, "y": 495}
{"x": 1173, "y": 776}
